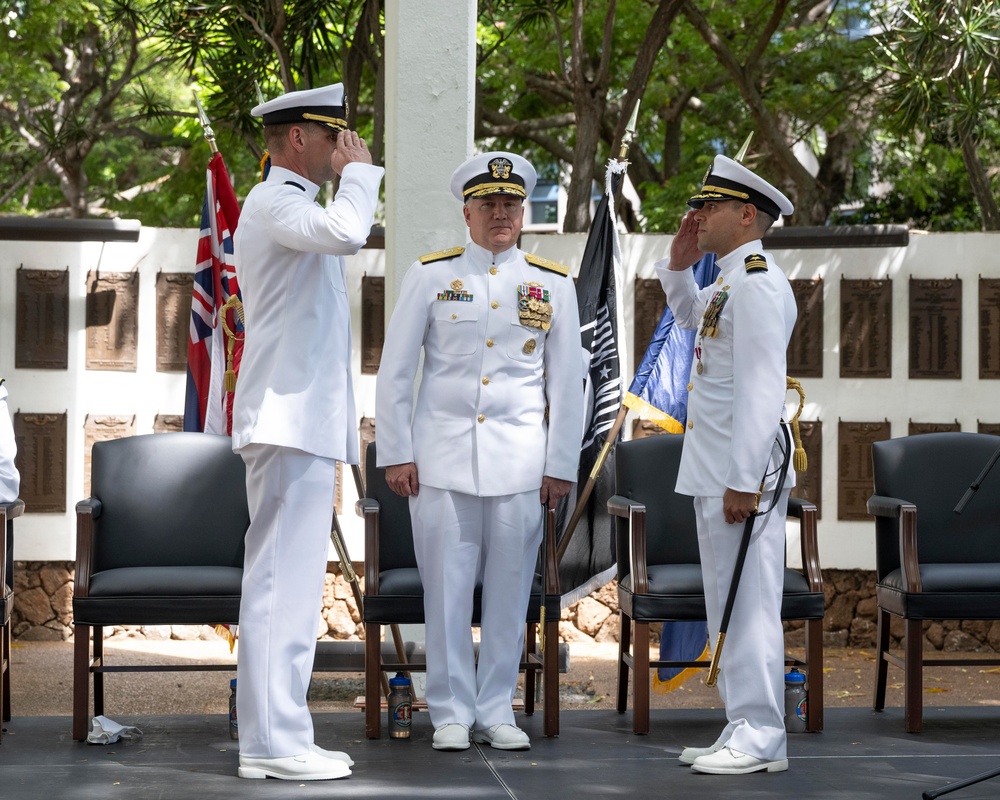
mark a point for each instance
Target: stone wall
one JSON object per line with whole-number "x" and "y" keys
{"x": 43, "y": 594}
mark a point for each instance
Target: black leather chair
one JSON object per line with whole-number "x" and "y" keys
{"x": 931, "y": 563}
{"x": 394, "y": 595}
{"x": 159, "y": 542}
{"x": 8, "y": 511}
{"x": 659, "y": 572}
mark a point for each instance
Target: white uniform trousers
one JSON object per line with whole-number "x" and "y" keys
{"x": 751, "y": 678}
{"x": 291, "y": 495}
{"x": 458, "y": 538}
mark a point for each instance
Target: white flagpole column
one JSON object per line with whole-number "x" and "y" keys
{"x": 430, "y": 53}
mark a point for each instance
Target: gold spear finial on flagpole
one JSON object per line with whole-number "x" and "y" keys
{"x": 205, "y": 124}
{"x": 629, "y": 132}
{"x": 743, "y": 150}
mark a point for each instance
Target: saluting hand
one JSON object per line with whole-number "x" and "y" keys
{"x": 684, "y": 250}
{"x": 350, "y": 148}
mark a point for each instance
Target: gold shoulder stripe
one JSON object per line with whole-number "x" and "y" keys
{"x": 755, "y": 263}
{"x": 441, "y": 255}
{"x": 544, "y": 263}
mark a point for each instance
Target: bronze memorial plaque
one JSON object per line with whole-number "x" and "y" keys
{"x": 805, "y": 350}
{"x": 935, "y": 328}
{"x": 42, "y": 337}
{"x": 809, "y": 485}
{"x": 989, "y": 328}
{"x": 372, "y": 322}
{"x": 917, "y": 428}
{"x": 101, "y": 429}
{"x": 41, "y": 460}
{"x": 168, "y": 423}
{"x": 855, "y": 482}
{"x": 112, "y": 320}
{"x": 865, "y": 329}
{"x": 173, "y": 320}
{"x": 650, "y": 301}
{"x": 992, "y": 428}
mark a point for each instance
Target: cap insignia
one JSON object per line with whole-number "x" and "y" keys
{"x": 500, "y": 168}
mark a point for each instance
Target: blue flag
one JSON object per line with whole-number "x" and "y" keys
{"x": 659, "y": 393}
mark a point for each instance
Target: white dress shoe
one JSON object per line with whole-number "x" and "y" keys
{"x": 689, "y": 754}
{"x": 453, "y": 736}
{"x": 307, "y": 767}
{"x": 732, "y": 762}
{"x": 503, "y": 737}
{"x": 336, "y": 755}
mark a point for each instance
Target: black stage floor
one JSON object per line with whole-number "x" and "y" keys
{"x": 861, "y": 755}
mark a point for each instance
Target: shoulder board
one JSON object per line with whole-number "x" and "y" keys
{"x": 544, "y": 263}
{"x": 755, "y": 263}
{"x": 441, "y": 255}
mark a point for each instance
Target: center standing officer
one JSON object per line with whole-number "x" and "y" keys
{"x": 496, "y": 434}
{"x": 293, "y": 416}
{"x": 736, "y": 399}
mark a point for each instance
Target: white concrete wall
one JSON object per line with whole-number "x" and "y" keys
{"x": 145, "y": 393}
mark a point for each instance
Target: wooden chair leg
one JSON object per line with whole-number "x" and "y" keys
{"x": 914, "y": 681}
{"x": 814, "y": 673}
{"x": 624, "y": 642}
{"x": 640, "y": 681}
{"x": 81, "y": 680}
{"x": 373, "y": 684}
{"x": 550, "y": 677}
{"x": 530, "y": 648}
{"x": 881, "y": 665}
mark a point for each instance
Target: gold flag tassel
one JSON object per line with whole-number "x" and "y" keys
{"x": 226, "y": 633}
{"x": 799, "y": 460}
{"x": 229, "y": 381}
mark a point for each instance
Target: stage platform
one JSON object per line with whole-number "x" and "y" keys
{"x": 862, "y": 755}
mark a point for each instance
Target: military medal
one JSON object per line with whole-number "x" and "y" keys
{"x": 533, "y": 306}
{"x": 710, "y": 322}
{"x": 455, "y": 292}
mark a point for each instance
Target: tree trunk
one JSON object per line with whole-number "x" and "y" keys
{"x": 980, "y": 183}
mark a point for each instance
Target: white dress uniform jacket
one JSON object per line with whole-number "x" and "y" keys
{"x": 736, "y": 402}
{"x": 480, "y": 424}
{"x": 9, "y": 477}
{"x": 294, "y": 386}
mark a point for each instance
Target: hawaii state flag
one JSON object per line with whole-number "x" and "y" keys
{"x": 659, "y": 393}
{"x": 207, "y": 407}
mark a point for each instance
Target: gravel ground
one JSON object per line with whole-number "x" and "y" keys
{"x": 42, "y": 681}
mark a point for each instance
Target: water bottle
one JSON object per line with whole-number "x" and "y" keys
{"x": 400, "y": 706}
{"x": 234, "y": 732}
{"x": 795, "y": 701}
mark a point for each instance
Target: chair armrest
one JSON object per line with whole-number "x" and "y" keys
{"x": 87, "y": 511}
{"x": 905, "y": 515}
{"x": 14, "y": 508}
{"x": 621, "y": 506}
{"x": 807, "y": 514}
{"x": 635, "y": 513}
{"x": 369, "y": 509}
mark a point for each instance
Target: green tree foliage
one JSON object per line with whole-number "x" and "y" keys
{"x": 943, "y": 85}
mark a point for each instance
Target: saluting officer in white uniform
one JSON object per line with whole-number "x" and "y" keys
{"x": 736, "y": 399}
{"x": 10, "y": 480}
{"x": 495, "y": 434}
{"x": 293, "y": 416}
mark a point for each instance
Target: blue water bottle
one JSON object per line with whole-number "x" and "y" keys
{"x": 795, "y": 702}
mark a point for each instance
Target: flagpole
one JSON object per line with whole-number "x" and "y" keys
{"x": 612, "y": 436}
{"x": 206, "y": 125}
